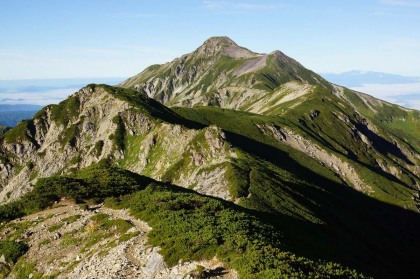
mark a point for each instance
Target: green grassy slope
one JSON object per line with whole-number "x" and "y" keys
{"x": 317, "y": 215}
{"x": 358, "y": 231}
{"x": 328, "y": 214}
{"x": 379, "y": 140}
{"x": 343, "y": 143}
{"x": 3, "y": 129}
{"x": 376, "y": 143}
{"x": 183, "y": 218}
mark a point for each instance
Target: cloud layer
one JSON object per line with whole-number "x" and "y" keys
{"x": 405, "y": 94}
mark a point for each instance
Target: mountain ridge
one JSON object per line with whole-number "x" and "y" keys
{"x": 334, "y": 172}
{"x": 212, "y": 75}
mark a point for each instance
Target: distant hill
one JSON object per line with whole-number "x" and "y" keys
{"x": 11, "y": 115}
{"x": 23, "y": 107}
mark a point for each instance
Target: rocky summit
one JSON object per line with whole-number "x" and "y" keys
{"x": 222, "y": 163}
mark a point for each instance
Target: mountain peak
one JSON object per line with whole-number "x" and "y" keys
{"x": 225, "y": 46}
{"x": 224, "y": 40}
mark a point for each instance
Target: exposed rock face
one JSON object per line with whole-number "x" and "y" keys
{"x": 224, "y": 45}
{"x": 184, "y": 157}
{"x": 221, "y": 73}
{"x": 53, "y": 147}
{"x": 343, "y": 169}
{"x": 62, "y": 253}
{"x": 98, "y": 123}
{"x": 153, "y": 147}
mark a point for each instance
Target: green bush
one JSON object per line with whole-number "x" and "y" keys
{"x": 189, "y": 226}
{"x": 23, "y": 270}
{"x": 12, "y": 250}
{"x": 186, "y": 225}
{"x": 66, "y": 110}
{"x": 98, "y": 148}
{"x": 93, "y": 183}
{"x": 119, "y": 136}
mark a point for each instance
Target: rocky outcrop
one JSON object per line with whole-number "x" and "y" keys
{"x": 221, "y": 73}
{"x": 185, "y": 157}
{"x": 52, "y": 146}
{"x": 343, "y": 169}
{"x": 107, "y": 127}
{"x": 58, "y": 245}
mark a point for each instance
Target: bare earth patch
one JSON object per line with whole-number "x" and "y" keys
{"x": 66, "y": 242}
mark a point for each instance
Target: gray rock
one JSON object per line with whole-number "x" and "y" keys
{"x": 57, "y": 236}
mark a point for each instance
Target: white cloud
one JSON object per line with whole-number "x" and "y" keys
{"x": 407, "y": 94}
{"x": 385, "y": 90}
{"x": 36, "y": 98}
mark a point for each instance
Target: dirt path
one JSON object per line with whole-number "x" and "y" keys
{"x": 61, "y": 245}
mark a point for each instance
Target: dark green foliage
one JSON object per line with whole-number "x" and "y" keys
{"x": 98, "y": 148}
{"x": 191, "y": 226}
{"x": 70, "y": 135}
{"x": 4, "y": 129}
{"x": 65, "y": 110}
{"x": 12, "y": 250}
{"x": 95, "y": 182}
{"x": 18, "y": 133}
{"x": 119, "y": 136}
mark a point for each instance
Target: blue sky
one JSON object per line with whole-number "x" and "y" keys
{"x": 88, "y": 39}
{"x": 92, "y": 38}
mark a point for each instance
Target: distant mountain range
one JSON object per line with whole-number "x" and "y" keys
{"x": 22, "y": 107}
{"x": 10, "y": 115}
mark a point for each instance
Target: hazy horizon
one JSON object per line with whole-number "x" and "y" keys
{"x": 401, "y": 90}
{"x": 50, "y": 39}
{"x": 62, "y": 40}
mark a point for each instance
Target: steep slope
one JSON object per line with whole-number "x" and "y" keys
{"x": 249, "y": 159}
{"x": 104, "y": 122}
{"x": 372, "y": 145}
{"x": 369, "y": 143}
{"x": 74, "y": 241}
{"x": 4, "y": 129}
{"x": 334, "y": 173}
{"x": 220, "y": 73}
